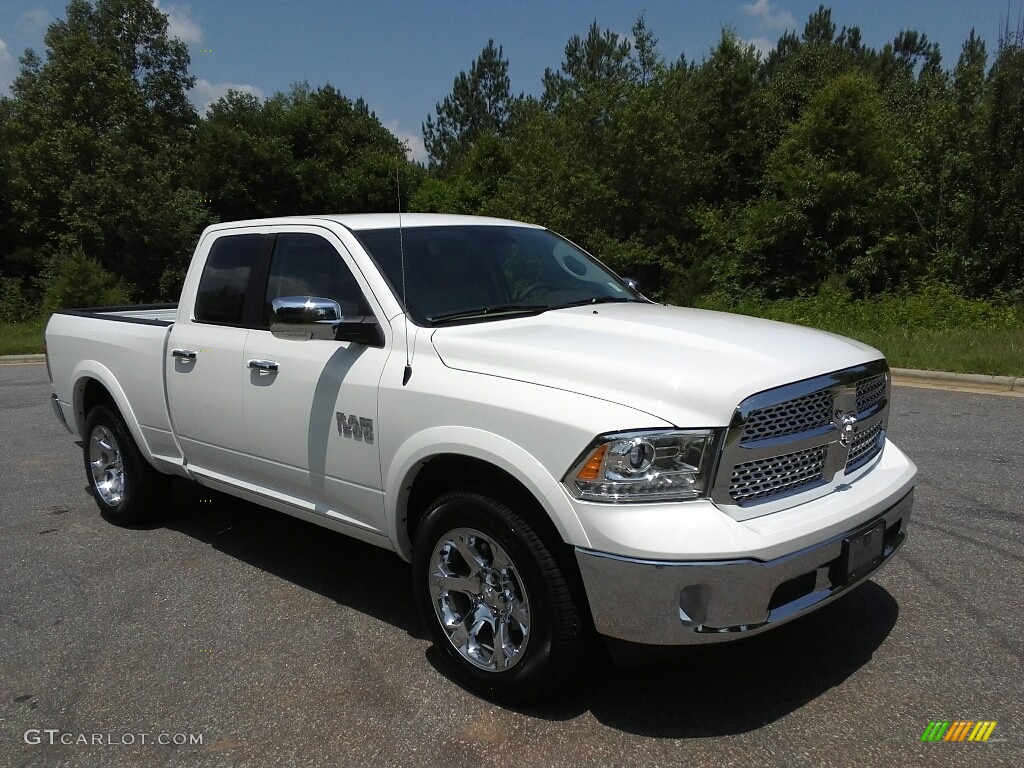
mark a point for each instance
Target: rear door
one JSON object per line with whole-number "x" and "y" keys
{"x": 206, "y": 370}
{"x": 311, "y": 405}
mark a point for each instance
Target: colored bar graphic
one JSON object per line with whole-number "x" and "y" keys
{"x": 958, "y": 730}
{"x": 982, "y": 731}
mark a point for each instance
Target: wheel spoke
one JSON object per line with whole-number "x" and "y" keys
{"x": 449, "y": 582}
{"x": 475, "y": 623}
{"x": 500, "y": 561}
{"x": 503, "y": 648}
{"x": 459, "y": 634}
{"x": 473, "y": 560}
{"x": 521, "y": 613}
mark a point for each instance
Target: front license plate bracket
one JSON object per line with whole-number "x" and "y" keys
{"x": 862, "y": 552}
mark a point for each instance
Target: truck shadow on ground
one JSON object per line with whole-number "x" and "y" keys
{"x": 366, "y": 578}
{"x": 713, "y": 690}
{"x": 736, "y": 687}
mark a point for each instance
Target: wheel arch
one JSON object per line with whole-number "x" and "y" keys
{"x": 95, "y": 385}
{"x": 430, "y": 464}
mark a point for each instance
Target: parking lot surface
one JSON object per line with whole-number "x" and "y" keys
{"x": 232, "y": 635}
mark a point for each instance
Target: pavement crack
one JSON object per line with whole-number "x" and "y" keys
{"x": 971, "y": 540}
{"x": 981, "y": 619}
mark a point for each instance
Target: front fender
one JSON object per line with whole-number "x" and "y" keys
{"x": 484, "y": 446}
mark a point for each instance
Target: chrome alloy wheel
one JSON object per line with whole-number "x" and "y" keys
{"x": 106, "y": 465}
{"x": 480, "y": 600}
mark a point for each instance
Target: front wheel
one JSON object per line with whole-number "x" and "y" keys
{"x": 494, "y": 599}
{"x": 127, "y": 489}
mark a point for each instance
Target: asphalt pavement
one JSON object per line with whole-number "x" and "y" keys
{"x": 232, "y": 635}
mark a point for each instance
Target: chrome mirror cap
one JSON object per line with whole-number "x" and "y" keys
{"x": 315, "y": 317}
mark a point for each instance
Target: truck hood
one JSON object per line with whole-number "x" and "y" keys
{"x": 689, "y": 367}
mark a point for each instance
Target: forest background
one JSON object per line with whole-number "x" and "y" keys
{"x": 874, "y": 193}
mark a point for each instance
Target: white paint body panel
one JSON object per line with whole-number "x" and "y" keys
{"x": 525, "y": 394}
{"x": 688, "y": 366}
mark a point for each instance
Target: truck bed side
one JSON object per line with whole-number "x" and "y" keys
{"x": 122, "y": 350}
{"x": 148, "y": 314}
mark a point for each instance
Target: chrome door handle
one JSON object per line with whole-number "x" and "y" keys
{"x": 263, "y": 365}
{"x": 184, "y": 354}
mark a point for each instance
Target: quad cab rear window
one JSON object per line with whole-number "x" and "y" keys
{"x": 224, "y": 286}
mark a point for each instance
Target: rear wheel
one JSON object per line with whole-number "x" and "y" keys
{"x": 127, "y": 489}
{"x": 494, "y": 599}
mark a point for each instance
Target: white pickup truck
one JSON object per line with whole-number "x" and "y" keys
{"x": 554, "y": 453}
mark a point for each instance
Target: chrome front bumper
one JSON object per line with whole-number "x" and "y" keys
{"x": 681, "y": 603}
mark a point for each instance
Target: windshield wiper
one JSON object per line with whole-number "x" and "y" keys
{"x": 595, "y": 300}
{"x": 500, "y": 309}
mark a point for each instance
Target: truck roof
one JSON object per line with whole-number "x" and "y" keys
{"x": 361, "y": 221}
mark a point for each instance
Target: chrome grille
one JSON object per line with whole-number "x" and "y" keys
{"x": 787, "y": 439}
{"x": 769, "y": 477}
{"x": 870, "y": 391}
{"x": 864, "y": 446}
{"x": 798, "y": 415}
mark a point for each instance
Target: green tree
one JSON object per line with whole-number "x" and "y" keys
{"x": 99, "y": 133}
{"x": 302, "y": 152}
{"x": 78, "y": 281}
{"x": 1000, "y": 261}
{"x": 8, "y": 228}
{"x": 596, "y": 70}
{"x": 824, "y": 162}
{"x": 478, "y": 106}
{"x": 824, "y": 211}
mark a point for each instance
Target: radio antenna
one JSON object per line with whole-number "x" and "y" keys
{"x": 401, "y": 253}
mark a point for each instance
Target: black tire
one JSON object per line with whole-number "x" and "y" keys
{"x": 552, "y": 647}
{"x": 140, "y": 494}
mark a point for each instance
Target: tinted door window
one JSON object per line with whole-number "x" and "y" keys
{"x": 224, "y": 286}
{"x": 308, "y": 265}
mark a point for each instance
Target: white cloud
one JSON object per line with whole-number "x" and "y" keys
{"x": 8, "y": 67}
{"x": 773, "y": 18}
{"x": 206, "y": 93}
{"x": 182, "y": 24}
{"x": 762, "y": 45}
{"x": 414, "y": 146}
{"x": 34, "y": 21}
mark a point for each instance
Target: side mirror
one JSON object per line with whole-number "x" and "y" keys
{"x": 313, "y": 316}
{"x": 316, "y": 317}
{"x": 361, "y": 330}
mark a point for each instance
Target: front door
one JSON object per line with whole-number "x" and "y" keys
{"x": 311, "y": 404}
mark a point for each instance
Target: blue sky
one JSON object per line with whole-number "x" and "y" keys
{"x": 401, "y": 55}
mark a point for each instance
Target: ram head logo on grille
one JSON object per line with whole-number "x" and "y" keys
{"x": 847, "y": 425}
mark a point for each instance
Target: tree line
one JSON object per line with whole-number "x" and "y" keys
{"x": 750, "y": 175}
{"x": 737, "y": 175}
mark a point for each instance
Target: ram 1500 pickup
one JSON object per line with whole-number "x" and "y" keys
{"x": 554, "y": 453}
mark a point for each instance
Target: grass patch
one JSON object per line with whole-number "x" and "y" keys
{"x": 968, "y": 351}
{"x": 22, "y": 338}
{"x": 935, "y": 330}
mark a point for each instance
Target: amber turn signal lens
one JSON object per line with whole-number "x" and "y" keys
{"x": 592, "y": 469}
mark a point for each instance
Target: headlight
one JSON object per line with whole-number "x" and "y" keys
{"x": 644, "y": 466}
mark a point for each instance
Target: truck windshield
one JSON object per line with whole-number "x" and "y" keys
{"x": 471, "y": 273}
